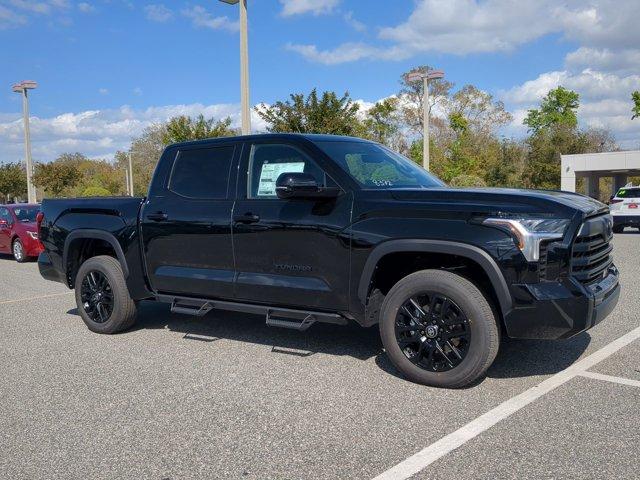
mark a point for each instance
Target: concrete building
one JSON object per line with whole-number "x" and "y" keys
{"x": 592, "y": 166}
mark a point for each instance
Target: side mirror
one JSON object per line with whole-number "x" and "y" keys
{"x": 302, "y": 185}
{"x": 3, "y": 223}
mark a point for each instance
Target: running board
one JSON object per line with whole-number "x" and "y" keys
{"x": 295, "y": 319}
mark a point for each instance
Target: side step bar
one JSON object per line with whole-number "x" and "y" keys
{"x": 295, "y": 319}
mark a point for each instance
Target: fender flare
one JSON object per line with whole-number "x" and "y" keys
{"x": 95, "y": 235}
{"x": 471, "y": 252}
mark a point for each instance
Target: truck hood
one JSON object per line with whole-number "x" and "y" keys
{"x": 507, "y": 199}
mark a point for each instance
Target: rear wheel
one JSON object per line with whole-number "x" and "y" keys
{"x": 18, "y": 251}
{"x": 102, "y": 296}
{"x": 438, "y": 329}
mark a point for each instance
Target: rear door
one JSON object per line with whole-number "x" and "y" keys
{"x": 292, "y": 252}
{"x": 186, "y": 223}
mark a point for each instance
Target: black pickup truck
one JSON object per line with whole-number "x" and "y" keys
{"x": 318, "y": 228}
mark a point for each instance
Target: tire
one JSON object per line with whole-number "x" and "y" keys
{"x": 17, "y": 250}
{"x": 467, "y": 312}
{"x": 118, "y": 311}
{"x": 618, "y": 228}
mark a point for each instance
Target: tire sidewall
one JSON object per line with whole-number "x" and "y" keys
{"x": 110, "y": 271}
{"x": 17, "y": 241}
{"x": 480, "y": 318}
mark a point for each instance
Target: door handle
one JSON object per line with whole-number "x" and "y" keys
{"x": 246, "y": 218}
{"x": 157, "y": 217}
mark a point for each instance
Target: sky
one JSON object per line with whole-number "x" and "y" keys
{"x": 107, "y": 69}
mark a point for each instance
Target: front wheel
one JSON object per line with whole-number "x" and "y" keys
{"x": 438, "y": 329}
{"x": 102, "y": 296}
{"x": 18, "y": 251}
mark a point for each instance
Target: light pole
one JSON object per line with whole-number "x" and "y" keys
{"x": 425, "y": 77}
{"x": 244, "y": 66}
{"x": 130, "y": 176}
{"x": 22, "y": 88}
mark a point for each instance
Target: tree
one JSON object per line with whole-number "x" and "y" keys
{"x": 381, "y": 123}
{"x": 328, "y": 114}
{"x": 184, "y": 128}
{"x": 481, "y": 112}
{"x": 558, "y": 108}
{"x": 13, "y": 181}
{"x": 635, "y": 96}
{"x": 412, "y": 98}
{"x": 59, "y": 175}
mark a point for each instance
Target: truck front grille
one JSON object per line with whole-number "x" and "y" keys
{"x": 591, "y": 257}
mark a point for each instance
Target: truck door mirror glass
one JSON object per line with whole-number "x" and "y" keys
{"x": 302, "y": 185}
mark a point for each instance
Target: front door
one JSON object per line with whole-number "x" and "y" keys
{"x": 289, "y": 252}
{"x": 186, "y": 224}
{"x": 5, "y": 230}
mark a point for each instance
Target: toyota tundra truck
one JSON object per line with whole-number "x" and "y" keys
{"x": 318, "y": 228}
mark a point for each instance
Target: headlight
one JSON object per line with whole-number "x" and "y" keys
{"x": 33, "y": 235}
{"x": 530, "y": 232}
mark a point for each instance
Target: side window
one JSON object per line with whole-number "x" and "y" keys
{"x": 5, "y": 215}
{"x": 268, "y": 161}
{"x": 202, "y": 173}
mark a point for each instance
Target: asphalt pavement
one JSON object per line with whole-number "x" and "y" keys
{"x": 225, "y": 396}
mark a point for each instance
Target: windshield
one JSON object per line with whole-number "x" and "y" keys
{"x": 24, "y": 214}
{"x": 376, "y": 167}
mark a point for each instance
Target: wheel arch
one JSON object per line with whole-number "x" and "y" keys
{"x": 466, "y": 251}
{"x": 87, "y": 235}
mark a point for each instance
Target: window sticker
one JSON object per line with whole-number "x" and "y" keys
{"x": 270, "y": 173}
{"x": 622, "y": 192}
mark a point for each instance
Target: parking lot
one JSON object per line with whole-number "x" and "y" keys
{"x": 225, "y": 396}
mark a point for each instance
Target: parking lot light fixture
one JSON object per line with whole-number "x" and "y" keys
{"x": 22, "y": 88}
{"x": 244, "y": 65}
{"x": 425, "y": 77}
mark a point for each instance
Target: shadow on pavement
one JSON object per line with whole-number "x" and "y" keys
{"x": 517, "y": 358}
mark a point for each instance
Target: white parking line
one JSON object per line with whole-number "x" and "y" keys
{"x": 4, "y": 302}
{"x": 447, "y": 444}
{"x": 609, "y": 378}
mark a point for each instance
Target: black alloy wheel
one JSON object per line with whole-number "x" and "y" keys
{"x": 433, "y": 332}
{"x": 97, "y": 296}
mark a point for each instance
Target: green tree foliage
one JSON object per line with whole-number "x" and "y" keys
{"x": 13, "y": 181}
{"x": 96, "y": 192}
{"x": 184, "y": 128}
{"x": 60, "y": 175}
{"x": 558, "y": 109}
{"x": 382, "y": 122}
{"x": 635, "y": 96}
{"x": 328, "y": 114}
{"x": 467, "y": 181}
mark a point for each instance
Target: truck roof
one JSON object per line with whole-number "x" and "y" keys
{"x": 313, "y": 137}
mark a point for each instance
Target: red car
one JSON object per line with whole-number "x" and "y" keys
{"x": 19, "y": 232}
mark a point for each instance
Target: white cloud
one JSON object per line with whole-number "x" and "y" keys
{"x": 103, "y": 91}
{"x": 463, "y": 27}
{"x": 85, "y": 7}
{"x": 357, "y": 25}
{"x": 98, "y": 133}
{"x": 158, "y": 12}
{"x": 200, "y": 17}
{"x": 299, "y": 7}
{"x": 137, "y": 91}
{"x": 347, "y": 52}
{"x": 15, "y": 13}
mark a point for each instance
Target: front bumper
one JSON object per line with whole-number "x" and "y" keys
{"x": 554, "y": 310}
{"x": 626, "y": 220}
